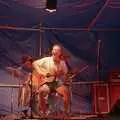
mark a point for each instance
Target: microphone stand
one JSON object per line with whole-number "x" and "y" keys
{"x": 71, "y": 83}
{"x": 98, "y": 75}
{"x": 98, "y": 60}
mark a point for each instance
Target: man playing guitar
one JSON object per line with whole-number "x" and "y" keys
{"x": 48, "y": 76}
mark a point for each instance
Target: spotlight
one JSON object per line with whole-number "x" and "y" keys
{"x": 51, "y": 5}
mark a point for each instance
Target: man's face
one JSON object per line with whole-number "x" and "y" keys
{"x": 56, "y": 51}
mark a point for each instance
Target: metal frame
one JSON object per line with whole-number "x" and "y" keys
{"x": 92, "y": 83}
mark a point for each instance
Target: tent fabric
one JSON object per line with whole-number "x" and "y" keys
{"x": 78, "y": 25}
{"x": 70, "y": 14}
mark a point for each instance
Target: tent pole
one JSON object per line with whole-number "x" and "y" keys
{"x": 98, "y": 15}
{"x": 98, "y": 76}
{"x": 41, "y": 42}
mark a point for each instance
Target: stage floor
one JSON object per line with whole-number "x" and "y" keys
{"x": 75, "y": 117}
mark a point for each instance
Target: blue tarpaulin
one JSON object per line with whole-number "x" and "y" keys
{"x": 78, "y": 25}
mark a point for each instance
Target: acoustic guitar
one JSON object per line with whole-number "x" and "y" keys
{"x": 39, "y": 80}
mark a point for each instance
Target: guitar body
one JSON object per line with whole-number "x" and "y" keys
{"x": 38, "y": 80}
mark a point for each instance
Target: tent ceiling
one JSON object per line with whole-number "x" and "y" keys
{"x": 93, "y": 14}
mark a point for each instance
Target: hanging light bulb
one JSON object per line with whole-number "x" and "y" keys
{"x": 51, "y": 5}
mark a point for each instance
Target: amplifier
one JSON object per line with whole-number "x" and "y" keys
{"x": 100, "y": 101}
{"x": 115, "y": 76}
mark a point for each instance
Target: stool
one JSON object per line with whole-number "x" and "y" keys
{"x": 54, "y": 103}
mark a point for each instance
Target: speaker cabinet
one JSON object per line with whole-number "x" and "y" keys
{"x": 100, "y": 98}
{"x": 116, "y": 108}
{"x": 105, "y": 96}
{"x": 114, "y": 92}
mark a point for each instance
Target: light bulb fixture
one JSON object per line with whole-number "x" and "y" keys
{"x": 51, "y": 5}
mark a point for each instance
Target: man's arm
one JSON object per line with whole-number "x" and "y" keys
{"x": 65, "y": 69}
